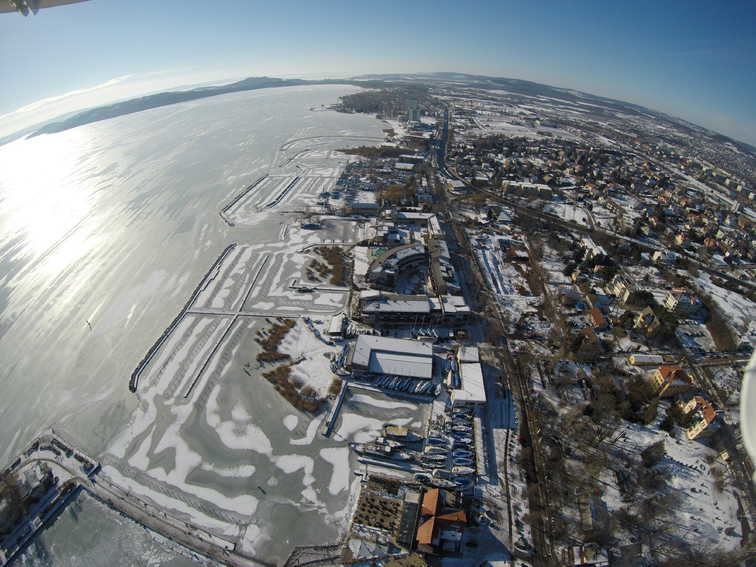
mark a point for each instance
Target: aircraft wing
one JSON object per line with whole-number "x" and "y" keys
{"x": 26, "y": 7}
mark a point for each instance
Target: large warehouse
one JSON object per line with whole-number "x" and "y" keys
{"x": 396, "y": 357}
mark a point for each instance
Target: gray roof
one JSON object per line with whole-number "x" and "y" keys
{"x": 401, "y": 357}
{"x": 472, "y": 391}
{"x": 398, "y": 306}
{"x": 469, "y": 354}
{"x": 400, "y": 364}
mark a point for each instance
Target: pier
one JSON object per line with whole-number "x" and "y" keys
{"x": 294, "y": 284}
{"x": 238, "y": 198}
{"x": 330, "y": 421}
{"x": 134, "y": 380}
{"x": 74, "y": 471}
{"x": 283, "y": 193}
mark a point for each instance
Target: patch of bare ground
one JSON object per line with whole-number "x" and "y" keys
{"x": 298, "y": 395}
{"x": 336, "y": 259}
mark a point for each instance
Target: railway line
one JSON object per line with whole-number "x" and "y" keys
{"x": 543, "y": 555}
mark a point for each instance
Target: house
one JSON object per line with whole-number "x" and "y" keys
{"x": 670, "y": 380}
{"x": 702, "y": 416}
{"x": 597, "y": 319}
{"x": 683, "y": 303}
{"x": 586, "y": 345}
{"x": 748, "y": 338}
{"x": 647, "y": 322}
{"x": 622, "y": 287}
{"x": 592, "y": 250}
{"x": 586, "y": 555}
{"x": 569, "y": 296}
{"x": 632, "y": 555}
{"x": 442, "y": 523}
{"x": 665, "y": 257}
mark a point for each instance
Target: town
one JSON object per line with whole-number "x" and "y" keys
{"x": 526, "y": 318}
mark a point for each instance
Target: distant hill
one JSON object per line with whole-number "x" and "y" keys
{"x": 163, "y": 99}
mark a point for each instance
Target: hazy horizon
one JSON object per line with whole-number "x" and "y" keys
{"x": 691, "y": 64}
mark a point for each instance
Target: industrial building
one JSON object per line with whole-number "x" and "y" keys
{"x": 396, "y": 357}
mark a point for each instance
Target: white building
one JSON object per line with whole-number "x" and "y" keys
{"x": 472, "y": 390}
{"x": 665, "y": 257}
{"x": 396, "y": 357}
{"x": 469, "y": 354}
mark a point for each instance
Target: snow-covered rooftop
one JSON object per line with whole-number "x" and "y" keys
{"x": 402, "y": 357}
{"x": 473, "y": 391}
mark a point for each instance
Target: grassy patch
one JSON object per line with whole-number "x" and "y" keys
{"x": 376, "y": 152}
{"x": 271, "y": 339}
{"x": 305, "y": 399}
{"x": 334, "y": 257}
{"x": 335, "y": 386}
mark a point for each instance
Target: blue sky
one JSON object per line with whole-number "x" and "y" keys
{"x": 695, "y": 60}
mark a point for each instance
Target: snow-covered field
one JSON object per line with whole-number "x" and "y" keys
{"x": 572, "y": 213}
{"x": 737, "y": 309}
{"x": 704, "y": 516}
{"x": 314, "y": 370}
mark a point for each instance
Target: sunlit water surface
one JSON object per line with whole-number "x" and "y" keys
{"x": 104, "y": 232}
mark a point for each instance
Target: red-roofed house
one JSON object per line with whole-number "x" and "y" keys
{"x": 439, "y": 532}
{"x": 598, "y": 320}
{"x": 702, "y": 414}
{"x": 425, "y": 531}
{"x": 671, "y": 380}
{"x": 429, "y": 507}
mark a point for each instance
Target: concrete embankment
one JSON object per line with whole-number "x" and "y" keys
{"x": 283, "y": 193}
{"x": 330, "y": 421}
{"x": 134, "y": 380}
{"x": 76, "y": 471}
{"x": 238, "y": 198}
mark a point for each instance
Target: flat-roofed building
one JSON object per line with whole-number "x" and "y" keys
{"x": 645, "y": 359}
{"x": 383, "y": 308}
{"x": 472, "y": 390}
{"x": 442, "y": 276}
{"x": 396, "y": 357}
{"x": 336, "y": 326}
{"x": 469, "y": 354}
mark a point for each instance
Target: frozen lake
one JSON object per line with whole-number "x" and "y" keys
{"x": 112, "y": 225}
